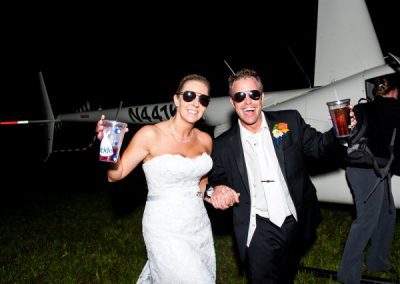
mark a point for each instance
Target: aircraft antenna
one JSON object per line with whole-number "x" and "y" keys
{"x": 301, "y": 68}
{"x": 226, "y": 63}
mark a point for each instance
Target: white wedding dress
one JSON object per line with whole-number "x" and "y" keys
{"x": 176, "y": 227}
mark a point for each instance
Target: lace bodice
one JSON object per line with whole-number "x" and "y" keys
{"x": 176, "y": 227}
{"x": 173, "y": 173}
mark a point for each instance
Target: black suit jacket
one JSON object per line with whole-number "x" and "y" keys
{"x": 383, "y": 116}
{"x": 302, "y": 140}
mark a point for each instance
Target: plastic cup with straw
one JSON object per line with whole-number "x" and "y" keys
{"x": 113, "y": 135}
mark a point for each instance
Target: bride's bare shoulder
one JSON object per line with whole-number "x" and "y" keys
{"x": 151, "y": 131}
{"x": 205, "y": 139}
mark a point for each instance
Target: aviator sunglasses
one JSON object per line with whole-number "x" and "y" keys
{"x": 189, "y": 96}
{"x": 240, "y": 96}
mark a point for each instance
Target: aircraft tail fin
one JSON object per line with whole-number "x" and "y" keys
{"x": 48, "y": 120}
{"x": 55, "y": 124}
{"x": 346, "y": 41}
{"x": 48, "y": 116}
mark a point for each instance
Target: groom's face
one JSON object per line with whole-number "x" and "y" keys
{"x": 249, "y": 109}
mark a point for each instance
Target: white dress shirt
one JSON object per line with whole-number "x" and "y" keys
{"x": 268, "y": 188}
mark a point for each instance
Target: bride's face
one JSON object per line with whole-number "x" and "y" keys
{"x": 191, "y": 102}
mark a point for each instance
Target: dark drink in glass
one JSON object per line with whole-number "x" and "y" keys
{"x": 340, "y": 115}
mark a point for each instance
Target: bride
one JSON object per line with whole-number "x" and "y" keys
{"x": 176, "y": 159}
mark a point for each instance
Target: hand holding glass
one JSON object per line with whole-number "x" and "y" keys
{"x": 110, "y": 145}
{"x": 340, "y": 114}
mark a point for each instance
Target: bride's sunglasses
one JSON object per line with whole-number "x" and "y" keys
{"x": 240, "y": 96}
{"x": 189, "y": 96}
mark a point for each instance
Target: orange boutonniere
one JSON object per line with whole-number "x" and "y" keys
{"x": 279, "y": 130}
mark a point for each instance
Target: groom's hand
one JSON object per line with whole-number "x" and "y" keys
{"x": 224, "y": 197}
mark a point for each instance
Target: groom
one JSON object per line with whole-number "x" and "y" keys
{"x": 262, "y": 158}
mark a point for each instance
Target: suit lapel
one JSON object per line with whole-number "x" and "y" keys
{"x": 236, "y": 144}
{"x": 271, "y": 121}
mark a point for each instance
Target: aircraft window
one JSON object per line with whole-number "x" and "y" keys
{"x": 393, "y": 61}
{"x": 369, "y": 84}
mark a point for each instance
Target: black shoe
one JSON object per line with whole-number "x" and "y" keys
{"x": 391, "y": 269}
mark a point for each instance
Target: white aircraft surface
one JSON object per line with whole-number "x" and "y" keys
{"x": 348, "y": 57}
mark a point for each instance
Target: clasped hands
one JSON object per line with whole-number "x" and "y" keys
{"x": 223, "y": 197}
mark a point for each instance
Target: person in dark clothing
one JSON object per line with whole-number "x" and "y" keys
{"x": 262, "y": 157}
{"x": 376, "y": 213}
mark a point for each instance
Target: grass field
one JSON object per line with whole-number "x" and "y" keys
{"x": 61, "y": 222}
{"x": 95, "y": 237}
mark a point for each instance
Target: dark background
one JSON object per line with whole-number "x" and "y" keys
{"x": 106, "y": 54}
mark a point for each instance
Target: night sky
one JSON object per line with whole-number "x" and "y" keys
{"x": 105, "y": 55}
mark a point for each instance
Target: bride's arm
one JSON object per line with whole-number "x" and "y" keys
{"x": 135, "y": 153}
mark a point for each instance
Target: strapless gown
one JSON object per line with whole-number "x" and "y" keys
{"x": 176, "y": 228}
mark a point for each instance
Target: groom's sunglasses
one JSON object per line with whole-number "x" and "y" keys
{"x": 189, "y": 96}
{"x": 240, "y": 96}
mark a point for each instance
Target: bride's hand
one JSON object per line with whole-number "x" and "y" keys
{"x": 100, "y": 127}
{"x": 224, "y": 197}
